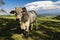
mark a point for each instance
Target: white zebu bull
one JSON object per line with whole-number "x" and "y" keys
{"x": 26, "y": 18}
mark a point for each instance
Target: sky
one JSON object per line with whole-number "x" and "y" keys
{"x": 40, "y": 6}
{"x": 11, "y": 4}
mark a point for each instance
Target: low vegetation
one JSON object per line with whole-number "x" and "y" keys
{"x": 47, "y": 29}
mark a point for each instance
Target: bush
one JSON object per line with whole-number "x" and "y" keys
{"x": 57, "y": 17}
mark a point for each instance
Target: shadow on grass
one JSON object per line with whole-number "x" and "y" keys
{"x": 7, "y": 28}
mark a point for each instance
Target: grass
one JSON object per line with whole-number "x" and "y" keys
{"x": 48, "y": 29}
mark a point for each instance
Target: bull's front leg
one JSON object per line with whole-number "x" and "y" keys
{"x": 27, "y": 27}
{"x": 26, "y": 32}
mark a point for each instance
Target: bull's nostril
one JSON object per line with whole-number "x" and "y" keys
{"x": 17, "y": 19}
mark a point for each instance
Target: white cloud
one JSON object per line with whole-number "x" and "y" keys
{"x": 57, "y": 3}
{"x": 43, "y": 5}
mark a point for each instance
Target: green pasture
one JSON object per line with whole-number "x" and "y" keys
{"x": 45, "y": 29}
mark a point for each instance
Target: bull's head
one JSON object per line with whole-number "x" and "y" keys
{"x": 18, "y": 12}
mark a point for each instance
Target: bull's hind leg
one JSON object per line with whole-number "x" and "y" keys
{"x": 31, "y": 27}
{"x": 36, "y": 25}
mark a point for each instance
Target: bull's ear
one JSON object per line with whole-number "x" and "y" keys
{"x": 24, "y": 9}
{"x": 12, "y": 12}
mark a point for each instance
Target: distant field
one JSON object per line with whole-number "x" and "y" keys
{"x": 47, "y": 29}
{"x": 8, "y": 17}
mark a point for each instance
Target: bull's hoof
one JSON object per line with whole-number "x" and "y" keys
{"x": 26, "y": 35}
{"x": 26, "y": 38}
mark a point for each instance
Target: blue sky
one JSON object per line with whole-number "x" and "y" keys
{"x": 11, "y": 4}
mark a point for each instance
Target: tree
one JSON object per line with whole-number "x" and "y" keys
{"x": 1, "y": 8}
{"x": 1, "y": 2}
